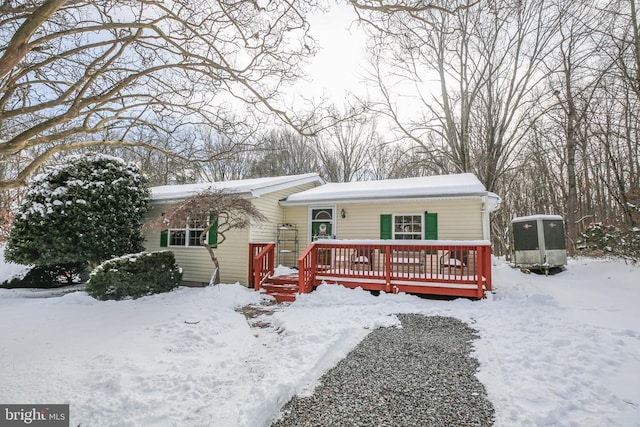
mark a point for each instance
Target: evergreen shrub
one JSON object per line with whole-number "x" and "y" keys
{"x": 134, "y": 276}
{"x": 48, "y": 276}
{"x": 89, "y": 209}
{"x": 603, "y": 239}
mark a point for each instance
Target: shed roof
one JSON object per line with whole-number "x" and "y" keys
{"x": 249, "y": 188}
{"x": 456, "y": 185}
{"x": 538, "y": 216}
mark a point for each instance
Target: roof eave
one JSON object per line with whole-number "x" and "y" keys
{"x": 272, "y": 188}
{"x": 381, "y": 200}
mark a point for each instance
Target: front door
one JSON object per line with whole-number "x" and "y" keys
{"x": 322, "y": 223}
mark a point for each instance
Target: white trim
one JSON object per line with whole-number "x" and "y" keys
{"x": 393, "y": 226}
{"x": 380, "y": 200}
{"x": 535, "y": 217}
{"x": 248, "y": 188}
{"x": 187, "y": 229}
{"x": 286, "y": 185}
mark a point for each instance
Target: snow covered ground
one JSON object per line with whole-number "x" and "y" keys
{"x": 562, "y": 350}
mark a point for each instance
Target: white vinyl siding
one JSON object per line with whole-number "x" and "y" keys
{"x": 458, "y": 219}
{"x": 233, "y": 253}
{"x": 269, "y": 206}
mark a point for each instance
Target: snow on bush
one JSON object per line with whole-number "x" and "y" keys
{"x": 88, "y": 210}
{"x": 135, "y": 275}
{"x": 610, "y": 239}
{"x": 10, "y": 270}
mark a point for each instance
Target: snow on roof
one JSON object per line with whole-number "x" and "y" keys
{"x": 247, "y": 187}
{"x": 464, "y": 184}
{"x": 539, "y": 216}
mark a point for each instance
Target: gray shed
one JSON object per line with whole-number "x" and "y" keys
{"x": 538, "y": 242}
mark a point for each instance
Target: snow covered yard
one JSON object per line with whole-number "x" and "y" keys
{"x": 559, "y": 350}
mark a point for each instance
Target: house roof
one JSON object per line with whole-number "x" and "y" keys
{"x": 437, "y": 186}
{"x": 249, "y": 188}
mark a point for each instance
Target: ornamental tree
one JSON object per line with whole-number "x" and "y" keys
{"x": 220, "y": 210}
{"x": 90, "y": 209}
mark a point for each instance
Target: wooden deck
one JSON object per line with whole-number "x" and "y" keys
{"x": 422, "y": 267}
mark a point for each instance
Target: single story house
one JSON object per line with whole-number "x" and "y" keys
{"x": 264, "y": 193}
{"x": 303, "y": 208}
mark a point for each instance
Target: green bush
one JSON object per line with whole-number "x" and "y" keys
{"x": 603, "y": 239}
{"x": 135, "y": 275}
{"x": 89, "y": 209}
{"x": 48, "y": 276}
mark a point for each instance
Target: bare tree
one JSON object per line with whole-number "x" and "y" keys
{"x": 220, "y": 210}
{"x": 388, "y": 161}
{"x": 473, "y": 75}
{"x": 77, "y": 74}
{"x": 574, "y": 84}
{"x": 283, "y": 152}
{"x": 343, "y": 150}
{"x": 619, "y": 133}
{"x": 377, "y": 11}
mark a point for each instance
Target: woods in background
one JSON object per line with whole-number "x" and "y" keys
{"x": 539, "y": 99}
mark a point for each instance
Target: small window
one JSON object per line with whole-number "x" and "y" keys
{"x": 407, "y": 227}
{"x": 188, "y": 236}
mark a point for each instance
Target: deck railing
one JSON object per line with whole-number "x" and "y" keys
{"x": 455, "y": 268}
{"x": 261, "y": 261}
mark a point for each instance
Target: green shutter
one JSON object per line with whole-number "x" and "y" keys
{"x": 386, "y": 227}
{"x": 430, "y": 226}
{"x": 212, "y": 239}
{"x": 164, "y": 238}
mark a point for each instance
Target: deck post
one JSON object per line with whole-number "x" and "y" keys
{"x": 480, "y": 272}
{"x": 387, "y": 268}
{"x": 270, "y": 262}
{"x": 312, "y": 269}
{"x": 488, "y": 269}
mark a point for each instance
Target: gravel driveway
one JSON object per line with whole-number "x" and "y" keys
{"x": 419, "y": 375}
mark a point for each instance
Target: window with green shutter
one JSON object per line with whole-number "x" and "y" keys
{"x": 212, "y": 238}
{"x": 386, "y": 227}
{"x": 189, "y": 235}
{"x": 430, "y": 226}
{"x": 409, "y": 226}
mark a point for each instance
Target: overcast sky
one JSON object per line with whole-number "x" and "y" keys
{"x": 337, "y": 67}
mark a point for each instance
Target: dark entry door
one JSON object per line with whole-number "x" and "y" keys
{"x": 321, "y": 223}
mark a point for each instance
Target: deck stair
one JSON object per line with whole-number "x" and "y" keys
{"x": 282, "y": 288}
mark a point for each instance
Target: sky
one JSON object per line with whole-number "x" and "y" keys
{"x": 342, "y": 59}
{"x": 562, "y": 350}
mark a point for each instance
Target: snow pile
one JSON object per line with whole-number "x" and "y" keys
{"x": 9, "y": 270}
{"x": 562, "y": 350}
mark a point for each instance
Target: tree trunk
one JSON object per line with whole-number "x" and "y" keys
{"x": 215, "y": 276}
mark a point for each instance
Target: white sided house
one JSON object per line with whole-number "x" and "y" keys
{"x": 443, "y": 207}
{"x": 264, "y": 193}
{"x": 303, "y": 210}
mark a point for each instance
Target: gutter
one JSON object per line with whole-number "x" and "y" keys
{"x": 285, "y": 202}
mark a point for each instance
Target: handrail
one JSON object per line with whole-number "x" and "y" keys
{"x": 307, "y": 263}
{"x": 461, "y": 268}
{"x": 262, "y": 262}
